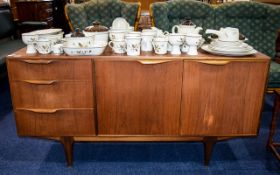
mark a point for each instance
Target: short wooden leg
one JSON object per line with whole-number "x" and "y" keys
{"x": 68, "y": 149}
{"x": 209, "y": 143}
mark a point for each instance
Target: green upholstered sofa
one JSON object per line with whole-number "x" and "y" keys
{"x": 257, "y": 21}
{"x": 82, "y": 15}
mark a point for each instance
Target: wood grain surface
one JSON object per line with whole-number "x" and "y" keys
{"x": 222, "y": 100}
{"x": 135, "y": 98}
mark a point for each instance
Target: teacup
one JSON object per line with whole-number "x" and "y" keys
{"x": 43, "y": 46}
{"x": 133, "y": 45}
{"x": 176, "y": 40}
{"x": 149, "y": 32}
{"x": 146, "y": 43}
{"x": 118, "y": 46}
{"x": 116, "y": 35}
{"x": 29, "y": 39}
{"x": 160, "y": 45}
{"x": 57, "y": 49}
{"x": 133, "y": 34}
{"x": 159, "y": 33}
{"x": 193, "y": 41}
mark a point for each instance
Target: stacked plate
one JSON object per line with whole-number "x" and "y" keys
{"x": 236, "y": 48}
{"x": 54, "y": 35}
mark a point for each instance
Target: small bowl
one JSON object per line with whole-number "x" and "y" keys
{"x": 29, "y": 38}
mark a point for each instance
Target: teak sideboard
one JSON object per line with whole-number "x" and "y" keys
{"x": 143, "y": 98}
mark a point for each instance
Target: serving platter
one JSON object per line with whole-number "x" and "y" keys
{"x": 227, "y": 53}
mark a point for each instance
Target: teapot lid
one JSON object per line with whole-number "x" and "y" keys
{"x": 188, "y": 22}
{"x": 77, "y": 33}
{"x": 96, "y": 27}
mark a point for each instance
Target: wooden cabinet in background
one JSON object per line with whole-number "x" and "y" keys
{"x": 38, "y": 10}
{"x": 50, "y": 11}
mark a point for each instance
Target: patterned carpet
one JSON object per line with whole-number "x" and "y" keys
{"x": 35, "y": 156}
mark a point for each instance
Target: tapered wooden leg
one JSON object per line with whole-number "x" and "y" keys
{"x": 209, "y": 143}
{"x": 68, "y": 149}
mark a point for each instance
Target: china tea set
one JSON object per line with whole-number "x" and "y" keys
{"x": 183, "y": 37}
{"x": 123, "y": 39}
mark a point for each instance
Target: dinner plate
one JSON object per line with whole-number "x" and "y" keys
{"x": 215, "y": 52}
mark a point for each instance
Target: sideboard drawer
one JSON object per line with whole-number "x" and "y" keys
{"x": 55, "y": 122}
{"x": 52, "y": 94}
{"x": 49, "y": 69}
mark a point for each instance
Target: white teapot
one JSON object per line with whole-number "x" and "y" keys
{"x": 226, "y": 34}
{"x": 186, "y": 29}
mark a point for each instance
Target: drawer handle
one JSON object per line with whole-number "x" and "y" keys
{"x": 40, "y": 82}
{"x": 148, "y": 62}
{"x": 38, "y": 61}
{"x": 42, "y": 111}
{"x": 215, "y": 63}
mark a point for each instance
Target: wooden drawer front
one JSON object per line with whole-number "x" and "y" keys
{"x": 65, "y": 122}
{"x": 50, "y": 69}
{"x": 45, "y": 14}
{"x": 222, "y": 98}
{"x": 52, "y": 94}
{"x": 134, "y": 98}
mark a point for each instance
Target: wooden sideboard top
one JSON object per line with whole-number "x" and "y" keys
{"x": 109, "y": 55}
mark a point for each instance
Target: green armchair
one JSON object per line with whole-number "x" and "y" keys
{"x": 82, "y": 15}
{"x": 170, "y": 13}
{"x": 257, "y": 21}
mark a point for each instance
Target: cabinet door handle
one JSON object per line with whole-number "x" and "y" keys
{"x": 214, "y": 62}
{"x": 42, "y": 111}
{"x": 40, "y": 82}
{"x": 148, "y": 62}
{"x": 38, "y": 61}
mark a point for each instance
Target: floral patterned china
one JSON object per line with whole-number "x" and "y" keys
{"x": 43, "y": 46}
{"x": 95, "y": 49}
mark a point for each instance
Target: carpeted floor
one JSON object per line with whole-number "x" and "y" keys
{"x": 30, "y": 156}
